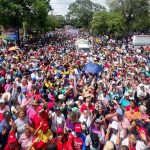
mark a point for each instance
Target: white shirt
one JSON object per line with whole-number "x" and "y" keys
{"x": 57, "y": 121}
{"x": 139, "y": 144}
{"x": 87, "y": 120}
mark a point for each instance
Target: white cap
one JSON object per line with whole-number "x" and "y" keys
{"x": 141, "y": 93}
{"x": 71, "y": 87}
{"x": 61, "y": 96}
{"x": 126, "y": 94}
{"x": 2, "y": 101}
{"x": 80, "y": 98}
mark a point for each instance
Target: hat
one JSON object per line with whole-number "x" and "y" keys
{"x": 60, "y": 130}
{"x": 45, "y": 126}
{"x": 81, "y": 98}
{"x": 57, "y": 108}
{"x": 29, "y": 95}
{"x": 140, "y": 94}
{"x": 78, "y": 128}
{"x": 71, "y": 86}
{"x": 87, "y": 95}
{"x": 33, "y": 79}
{"x": 50, "y": 105}
{"x": 61, "y": 96}
{"x": 39, "y": 109}
{"x": 2, "y": 101}
{"x": 126, "y": 94}
{"x": 109, "y": 146}
{"x": 142, "y": 130}
{"x": 114, "y": 125}
{"x": 41, "y": 90}
{"x": 6, "y": 114}
{"x": 12, "y": 138}
{"x": 119, "y": 111}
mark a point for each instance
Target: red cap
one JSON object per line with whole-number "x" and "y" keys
{"x": 50, "y": 105}
{"x": 78, "y": 128}
{"x": 39, "y": 109}
{"x": 29, "y": 95}
{"x": 142, "y": 130}
{"x": 45, "y": 126}
{"x": 12, "y": 138}
{"x": 60, "y": 130}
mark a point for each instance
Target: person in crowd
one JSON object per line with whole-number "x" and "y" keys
{"x": 21, "y": 122}
{"x": 57, "y": 97}
{"x": 76, "y": 139}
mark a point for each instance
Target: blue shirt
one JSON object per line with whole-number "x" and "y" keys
{"x": 124, "y": 102}
{"x": 5, "y": 126}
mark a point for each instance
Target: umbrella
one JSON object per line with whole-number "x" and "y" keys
{"x": 92, "y": 68}
{"x": 13, "y": 48}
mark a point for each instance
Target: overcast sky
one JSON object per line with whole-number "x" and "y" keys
{"x": 60, "y": 6}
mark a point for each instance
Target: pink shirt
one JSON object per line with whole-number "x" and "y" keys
{"x": 29, "y": 86}
{"x": 25, "y": 141}
{"x": 31, "y": 113}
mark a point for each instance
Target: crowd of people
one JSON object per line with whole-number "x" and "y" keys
{"x": 49, "y": 102}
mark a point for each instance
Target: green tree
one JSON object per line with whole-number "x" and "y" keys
{"x": 14, "y": 12}
{"x": 81, "y": 11}
{"x": 136, "y": 12}
{"x": 116, "y": 23}
{"x": 99, "y": 22}
{"x": 108, "y": 22}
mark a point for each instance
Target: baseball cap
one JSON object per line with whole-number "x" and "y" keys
{"x": 29, "y": 95}
{"x": 2, "y": 101}
{"x": 81, "y": 98}
{"x": 39, "y": 109}
{"x": 61, "y": 96}
{"x": 41, "y": 90}
{"x": 78, "y": 128}
{"x": 142, "y": 130}
{"x": 6, "y": 114}
{"x": 57, "y": 108}
{"x": 45, "y": 126}
{"x": 126, "y": 94}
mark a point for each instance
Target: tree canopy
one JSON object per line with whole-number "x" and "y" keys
{"x": 136, "y": 12}
{"x": 108, "y": 22}
{"x": 123, "y": 17}
{"x": 14, "y": 12}
{"x": 81, "y": 12}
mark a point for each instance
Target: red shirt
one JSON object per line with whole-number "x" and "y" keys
{"x": 38, "y": 119}
{"x": 91, "y": 107}
{"x": 7, "y": 147}
{"x": 128, "y": 108}
{"x": 75, "y": 143}
{"x": 62, "y": 146}
{"x": 2, "y": 72}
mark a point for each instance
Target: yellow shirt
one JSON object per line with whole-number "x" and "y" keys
{"x": 48, "y": 84}
{"x": 45, "y": 137}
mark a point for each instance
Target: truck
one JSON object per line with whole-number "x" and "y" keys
{"x": 141, "y": 40}
{"x": 82, "y": 45}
